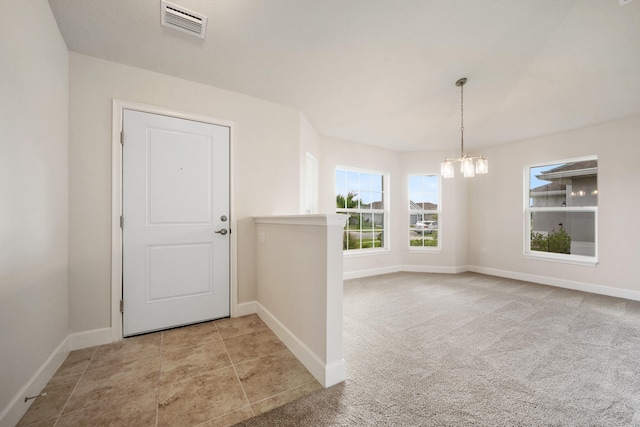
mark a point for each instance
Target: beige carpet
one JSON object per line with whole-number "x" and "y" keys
{"x": 470, "y": 349}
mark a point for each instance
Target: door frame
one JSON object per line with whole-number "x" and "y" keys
{"x": 116, "y": 202}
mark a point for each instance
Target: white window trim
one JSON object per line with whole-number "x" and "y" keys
{"x": 310, "y": 186}
{"x": 428, "y": 249}
{"x": 386, "y": 201}
{"x": 354, "y": 253}
{"x": 550, "y": 256}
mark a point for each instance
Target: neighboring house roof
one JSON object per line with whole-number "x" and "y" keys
{"x": 423, "y": 206}
{"x": 553, "y": 186}
{"x": 587, "y": 164}
{"x": 569, "y": 170}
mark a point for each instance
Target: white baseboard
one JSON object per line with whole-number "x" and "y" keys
{"x": 410, "y": 268}
{"x": 17, "y": 407}
{"x": 246, "y": 308}
{"x": 543, "y": 280}
{"x": 370, "y": 272}
{"x": 560, "y": 283}
{"x": 80, "y": 340}
{"x": 435, "y": 269}
{"x": 326, "y": 374}
{"x": 335, "y": 373}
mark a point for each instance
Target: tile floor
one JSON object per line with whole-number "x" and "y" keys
{"x": 212, "y": 374}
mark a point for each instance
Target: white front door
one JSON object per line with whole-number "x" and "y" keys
{"x": 175, "y": 185}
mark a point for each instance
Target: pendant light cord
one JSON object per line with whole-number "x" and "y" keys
{"x": 469, "y": 165}
{"x": 462, "y": 120}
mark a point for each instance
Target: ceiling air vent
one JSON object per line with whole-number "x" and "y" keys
{"x": 182, "y": 19}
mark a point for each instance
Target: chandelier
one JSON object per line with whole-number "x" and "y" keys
{"x": 467, "y": 166}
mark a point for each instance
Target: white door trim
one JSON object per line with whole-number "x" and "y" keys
{"x": 116, "y": 202}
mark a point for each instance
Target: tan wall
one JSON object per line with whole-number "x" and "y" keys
{"x": 33, "y": 194}
{"x": 267, "y": 169}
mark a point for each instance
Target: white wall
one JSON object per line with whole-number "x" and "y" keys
{"x": 453, "y": 222}
{"x": 310, "y": 142}
{"x": 267, "y": 172}
{"x": 335, "y": 152}
{"x": 496, "y": 205}
{"x": 487, "y": 211}
{"x": 299, "y": 264}
{"x": 399, "y": 165}
{"x": 55, "y": 187}
{"x": 33, "y": 193}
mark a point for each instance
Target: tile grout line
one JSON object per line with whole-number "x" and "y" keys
{"x": 224, "y": 340}
{"x": 275, "y": 353}
{"x": 244, "y": 393}
{"x": 159, "y": 379}
{"x": 286, "y": 391}
{"x": 76, "y": 386}
{"x": 263, "y": 356}
{"x": 222, "y": 416}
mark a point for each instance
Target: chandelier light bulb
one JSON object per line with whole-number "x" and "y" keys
{"x": 482, "y": 166}
{"x": 446, "y": 169}
{"x": 468, "y": 170}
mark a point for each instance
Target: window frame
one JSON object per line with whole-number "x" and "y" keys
{"x": 438, "y": 212}
{"x": 528, "y": 210}
{"x": 310, "y": 185}
{"x": 385, "y": 211}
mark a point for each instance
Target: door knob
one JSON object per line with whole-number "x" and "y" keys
{"x": 222, "y": 231}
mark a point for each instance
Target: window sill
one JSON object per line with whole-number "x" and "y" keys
{"x": 567, "y": 259}
{"x": 425, "y": 250}
{"x": 365, "y": 252}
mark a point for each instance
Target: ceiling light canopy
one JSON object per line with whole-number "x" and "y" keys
{"x": 467, "y": 166}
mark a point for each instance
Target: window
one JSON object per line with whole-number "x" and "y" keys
{"x": 424, "y": 212}
{"x": 361, "y": 195}
{"x": 561, "y": 206}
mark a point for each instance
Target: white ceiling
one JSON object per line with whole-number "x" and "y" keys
{"x": 383, "y": 72}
